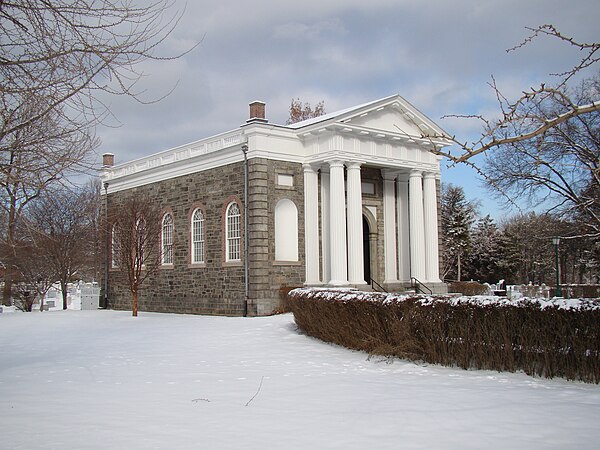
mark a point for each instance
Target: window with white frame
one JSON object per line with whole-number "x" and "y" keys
{"x": 197, "y": 231}
{"x": 167, "y": 239}
{"x": 233, "y": 233}
{"x": 115, "y": 246}
{"x": 140, "y": 237}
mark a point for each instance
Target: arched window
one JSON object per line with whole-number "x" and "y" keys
{"x": 167, "y": 239}
{"x": 286, "y": 231}
{"x": 232, "y": 233}
{"x": 115, "y": 246}
{"x": 197, "y": 235}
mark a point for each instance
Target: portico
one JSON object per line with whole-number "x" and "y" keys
{"x": 334, "y": 251}
{"x": 390, "y": 139}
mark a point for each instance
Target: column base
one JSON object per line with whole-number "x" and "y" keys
{"x": 338, "y": 283}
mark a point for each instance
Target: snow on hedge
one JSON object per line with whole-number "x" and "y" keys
{"x": 348, "y": 294}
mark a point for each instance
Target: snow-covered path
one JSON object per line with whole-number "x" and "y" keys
{"x": 102, "y": 379}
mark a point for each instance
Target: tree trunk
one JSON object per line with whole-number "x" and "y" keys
{"x": 458, "y": 268}
{"x": 10, "y": 245}
{"x": 63, "y": 290}
{"x": 134, "y": 305}
{"x": 6, "y": 292}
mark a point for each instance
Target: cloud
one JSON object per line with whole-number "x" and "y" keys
{"x": 440, "y": 55}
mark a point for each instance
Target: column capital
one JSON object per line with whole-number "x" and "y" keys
{"x": 353, "y": 165}
{"x": 310, "y": 168}
{"x": 429, "y": 175}
{"x": 336, "y": 163}
{"x": 416, "y": 173}
{"x": 402, "y": 176}
{"x": 389, "y": 174}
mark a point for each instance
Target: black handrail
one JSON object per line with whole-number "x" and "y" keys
{"x": 373, "y": 282}
{"x": 417, "y": 285}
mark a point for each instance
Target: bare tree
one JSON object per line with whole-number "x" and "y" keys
{"x": 300, "y": 112}
{"x": 64, "y": 234}
{"x": 35, "y": 276}
{"x": 529, "y": 126}
{"x": 33, "y": 158}
{"x": 560, "y": 168}
{"x": 136, "y": 237}
{"x": 58, "y": 60}
{"x": 69, "y": 51}
{"x": 515, "y": 123}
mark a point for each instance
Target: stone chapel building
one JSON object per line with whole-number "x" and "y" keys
{"x": 338, "y": 200}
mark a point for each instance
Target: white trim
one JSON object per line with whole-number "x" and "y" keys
{"x": 235, "y": 236}
{"x": 166, "y": 239}
{"x": 202, "y": 241}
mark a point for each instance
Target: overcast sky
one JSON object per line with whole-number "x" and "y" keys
{"x": 438, "y": 54}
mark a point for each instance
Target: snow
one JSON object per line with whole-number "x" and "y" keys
{"x": 345, "y": 295}
{"x": 103, "y": 379}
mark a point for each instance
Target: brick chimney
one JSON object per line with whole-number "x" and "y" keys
{"x": 108, "y": 160}
{"x": 257, "y": 112}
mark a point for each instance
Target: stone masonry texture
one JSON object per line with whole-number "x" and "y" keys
{"x": 217, "y": 287}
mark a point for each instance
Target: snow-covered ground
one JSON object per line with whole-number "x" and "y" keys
{"x": 103, "y": 379}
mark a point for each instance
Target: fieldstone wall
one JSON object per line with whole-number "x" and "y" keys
{"x": 268, "y": 276}
{"x": 217, "y": 286}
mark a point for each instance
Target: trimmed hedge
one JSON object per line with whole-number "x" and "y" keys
{"x": 544, "y": 338}
{"x": 468, "y": 287}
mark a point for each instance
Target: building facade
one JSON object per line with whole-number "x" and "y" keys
{"x": 339, "y": 200}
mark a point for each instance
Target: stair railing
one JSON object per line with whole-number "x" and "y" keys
{"x": 375, "y": 283}
{"x": 419, "y": 287}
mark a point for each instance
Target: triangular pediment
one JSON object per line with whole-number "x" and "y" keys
{"x": 390, "y": 116}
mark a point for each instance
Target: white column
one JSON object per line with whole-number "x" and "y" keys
{"x": 356, "y": 270}
{"x": 403, "y": 228}
{"x": 432, "y": 268}
{"x": 311, "y": 225}
{"x": 417, "y": 229}
{"x": 337, "y": 221}
{"x": 325, "y": 226}
{"x": 389, "y": 227}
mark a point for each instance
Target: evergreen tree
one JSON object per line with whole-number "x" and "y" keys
{"x": 484, "y": 263}
{"x": 458, "y": 214}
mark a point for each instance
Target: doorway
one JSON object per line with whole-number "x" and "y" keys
{"x": 366, "y": 249}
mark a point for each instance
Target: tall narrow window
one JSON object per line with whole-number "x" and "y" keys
{"x": 115, "y": 246}
{"x": 233, "y": 233}
{"x": 167, "y": 239}
{"x": 139, "y": 234}
{"x": 197, "y": 236}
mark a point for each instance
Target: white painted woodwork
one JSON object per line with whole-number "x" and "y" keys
{"x": 311, "y": 225}
{"x": 389, "y": 227}
{"x": 356, "y": 273}
{"x": 417, "y": 230}
{"x": 337, "y": 220}
{"x": 431, "y": 228}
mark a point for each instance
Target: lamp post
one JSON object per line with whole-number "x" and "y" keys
{"x": 107, "y": 245}
{"x": 556, "y": 242}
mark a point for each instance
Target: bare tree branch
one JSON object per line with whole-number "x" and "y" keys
{"x": 545, "y": 144}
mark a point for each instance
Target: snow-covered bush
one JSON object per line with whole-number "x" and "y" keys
{"x": 469, "y": 287}
{"x": 550, "y": 338}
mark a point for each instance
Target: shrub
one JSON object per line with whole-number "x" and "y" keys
{"x": 547, "y": 338}
{"x": 468, "y": 287}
